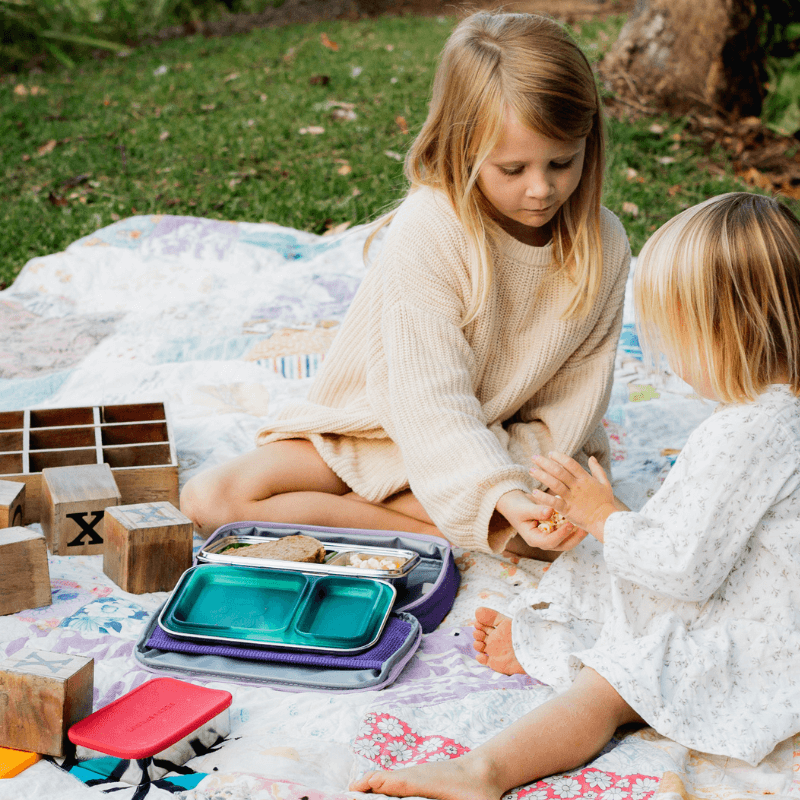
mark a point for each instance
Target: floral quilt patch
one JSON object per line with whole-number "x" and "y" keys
{"x": 111, "y": 615}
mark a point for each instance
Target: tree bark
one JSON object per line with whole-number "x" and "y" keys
{"x": 685, "y": 55}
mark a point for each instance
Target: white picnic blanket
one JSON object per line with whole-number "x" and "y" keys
{"x": 226, "y": 322}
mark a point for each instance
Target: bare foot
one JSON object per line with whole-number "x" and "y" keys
{"x": 492, "y": 637}
{"x": 464, "y": 778}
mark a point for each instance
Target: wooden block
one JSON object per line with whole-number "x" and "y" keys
{"x": 25, "y": 575}
{"x": 148, "y": 546}
{"x": 74, "y": 500}
{"x": 41, "y": 695}
{"x": 12, "y": 503}
{"x": 12, "y": 762}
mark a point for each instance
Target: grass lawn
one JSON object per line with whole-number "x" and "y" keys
{"x": 304, "y": 126}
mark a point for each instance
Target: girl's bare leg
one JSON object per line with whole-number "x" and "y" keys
{"x": 492, "y": 640}
{"x": 561, "y": 734}
{"x": 285, "y": 481}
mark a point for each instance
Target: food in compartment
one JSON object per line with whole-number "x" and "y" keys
{"x": 290, "y": 548}
{"x": 369, "y": 561}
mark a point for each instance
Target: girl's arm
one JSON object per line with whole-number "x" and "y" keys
{"x": 692, "y": 532}
{"x": 421, "y": 381}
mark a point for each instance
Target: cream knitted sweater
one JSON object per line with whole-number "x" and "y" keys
{"x": 407, "y": 397}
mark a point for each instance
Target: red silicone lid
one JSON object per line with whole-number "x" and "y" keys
{"x": 149, "y": 719}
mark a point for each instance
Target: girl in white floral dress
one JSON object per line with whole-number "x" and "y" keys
{"x": 685, "y": 615}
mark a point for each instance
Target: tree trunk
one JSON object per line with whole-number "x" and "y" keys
{"x": 684, "y": 55}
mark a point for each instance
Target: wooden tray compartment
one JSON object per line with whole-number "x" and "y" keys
{"x": 135, "y": 440}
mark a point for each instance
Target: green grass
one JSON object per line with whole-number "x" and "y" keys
{"x": 217, "y": 134}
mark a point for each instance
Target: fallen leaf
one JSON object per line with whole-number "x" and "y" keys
{"x": 334, "y": 229}
{"x": 343, "y": 113}
{"x": 313, "y": 130}
{"x": 232, "y": 77}
{"x": 47, "y": 147}
{"x": 289, "y": 55}
{"x": 57, "y": 200}
{"x": 344, "y": 169}
{"x": 401, "y": 123}
{"x": 319, "y": 80}
{"x": 208, "y": 106}
{"x": 657, "y": 129}
{"x": 356, "y": 71}
{"x": 666, "y": 160}
{"x": 21, "y": 90}
{"x": 162, "y": 70}
{"x": 76, "y": 181}
{"x": 756, "y": 178}
{"x": 393, "y": 154}
{"x": 631, "y": 174}
{"x": 26, "y": 157}
{"x": 36, "y": 90}
{"x": 673, "y": 190}
{"x": 630, "y": 208}
{"x": 326, "y": 42}
{"x": 389, "y": 48}
{"x": 163, "y": 136}
{"x": 251, "y": 123}
{"x": 106, "y": 101}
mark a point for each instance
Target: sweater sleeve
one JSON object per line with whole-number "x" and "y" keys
{"x": 421, "y": 385}
{"x": 690, "y": 535}
{"x": 566, "y": 413}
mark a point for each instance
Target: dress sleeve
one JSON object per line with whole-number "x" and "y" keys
{"x": 693, "y": 531}
{"x": 567, "y": 411}
{"x": 420, "y": 383}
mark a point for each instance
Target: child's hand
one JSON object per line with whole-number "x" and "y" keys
{"x": 585, "y": 500}
{"x": 525, "y": 515}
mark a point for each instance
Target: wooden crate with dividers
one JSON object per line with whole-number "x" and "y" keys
{"x": 134, "y": 439}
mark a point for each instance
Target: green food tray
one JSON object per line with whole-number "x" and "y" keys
{"x": 278, "y": 608}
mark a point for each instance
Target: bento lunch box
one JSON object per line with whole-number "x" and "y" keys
{"x": 277, "y": 608}
{"x": 426, "y": 583}
{"x": 425, "y": 591}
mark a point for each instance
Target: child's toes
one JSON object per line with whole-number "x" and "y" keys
{"x": 486, "y": 616}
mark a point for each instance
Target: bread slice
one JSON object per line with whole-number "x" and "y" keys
{"x": 291, "y": 548}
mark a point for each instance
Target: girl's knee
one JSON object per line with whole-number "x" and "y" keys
{"x": 201, "y": 502}
{"x": 592, "y": 683}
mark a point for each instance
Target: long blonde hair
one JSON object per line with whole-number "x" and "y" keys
{"x": 718, "y": 287}
{"x": 491, "y": 63}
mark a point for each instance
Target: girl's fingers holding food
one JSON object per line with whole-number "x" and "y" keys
{"x": 548, "y": 479}
{"x": 548, "y": 502}
{"x": 569, "y": 466}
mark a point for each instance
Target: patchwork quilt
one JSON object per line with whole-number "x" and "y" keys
{"x": 227, "y": 322}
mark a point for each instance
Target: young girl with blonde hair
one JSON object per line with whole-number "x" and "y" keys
{"x": 484, "y": 332}
{"x": 684, "y": 615}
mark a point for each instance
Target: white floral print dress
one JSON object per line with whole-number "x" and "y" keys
{"x": 691, "y": 608}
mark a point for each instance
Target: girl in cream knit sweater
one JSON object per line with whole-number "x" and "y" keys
{"x": 483, "y": 334}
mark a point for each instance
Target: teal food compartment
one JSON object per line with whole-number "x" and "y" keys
{"x": 274, "y": 608}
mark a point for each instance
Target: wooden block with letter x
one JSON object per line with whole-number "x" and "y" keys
{"x": 74, "y": 500}
{"x": 148, "y": 546}
{"x": 12, "y": 503}
{"x": 41, "y": 695}
{"x": 25, "y": 574}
